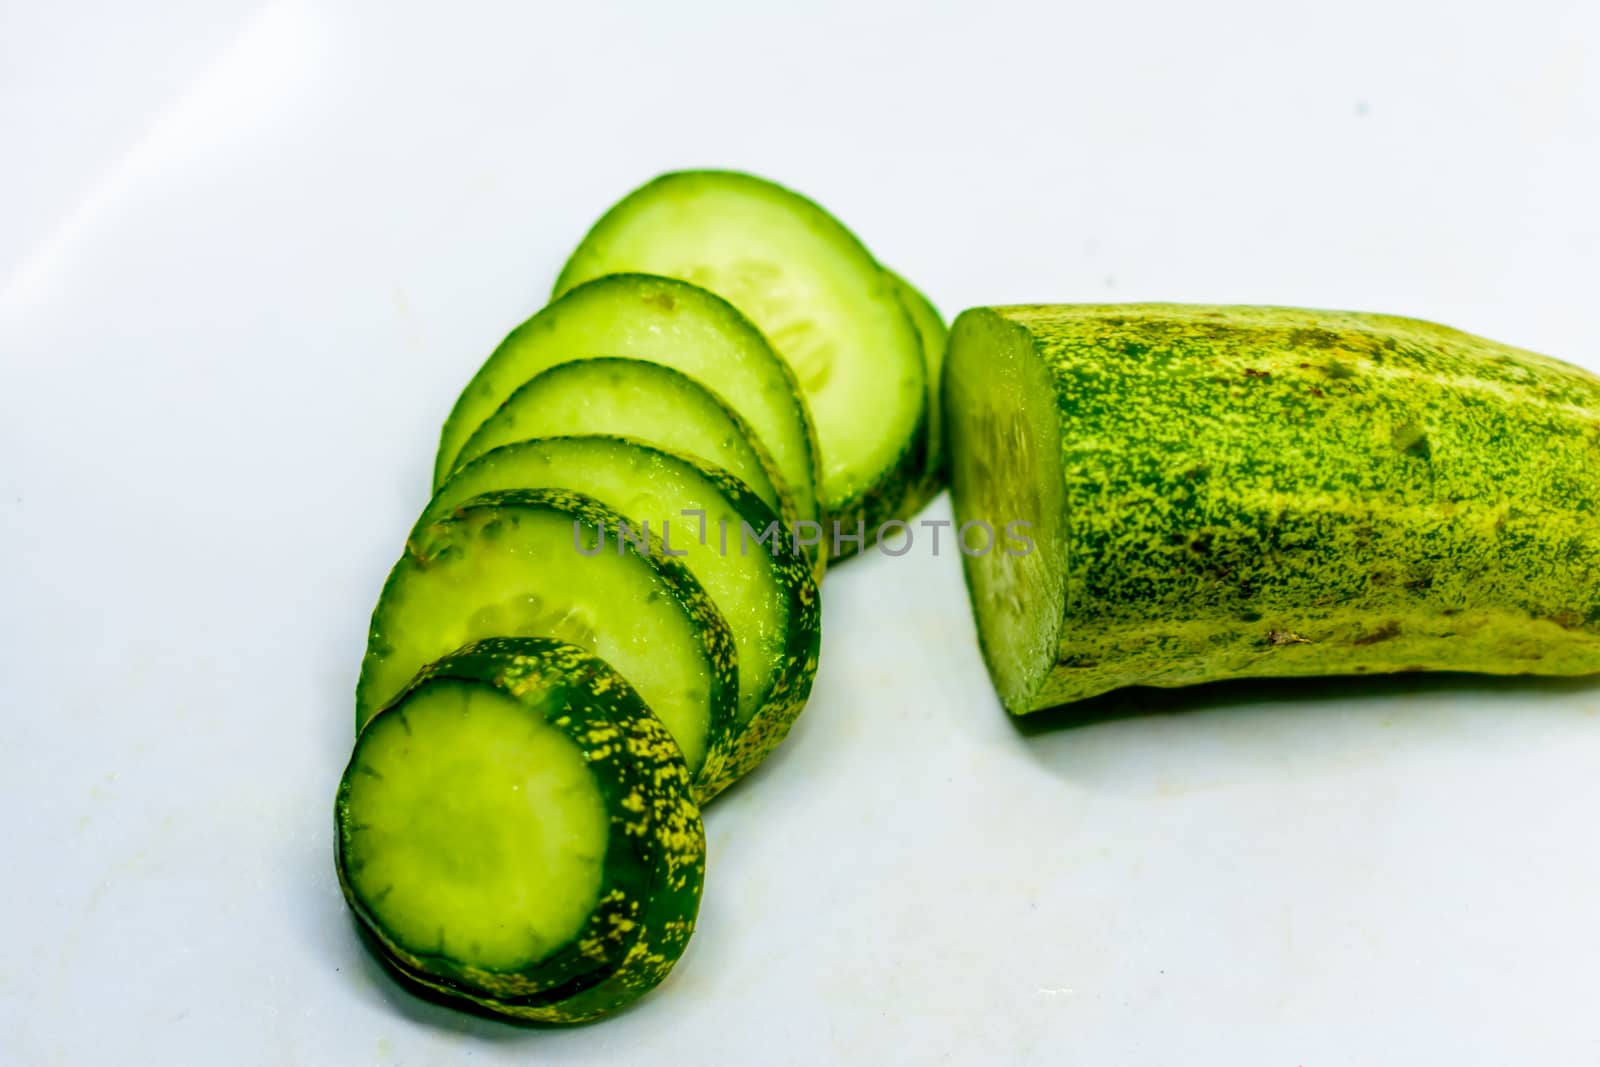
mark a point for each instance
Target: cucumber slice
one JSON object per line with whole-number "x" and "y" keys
{"x": 763, "y": 589}
{"x": 932, "y": 332}
{"x": 660, "y": 320}
{"x": 509, "y": 565}
{"x": 516, "y": 830}
{"x": 1234, "y": 492}
{"x": 815, "y": 293}
{"x": 648, "y": 402}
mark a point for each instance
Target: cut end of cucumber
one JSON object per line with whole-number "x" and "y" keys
{"x": 472, "y": 829}
{"x": 658, "y": 320}
{"x": 1005, "y": 459}
{"x": 648, "y": 401}
{"x": 510, "y": 565}
{"x": 651, "y": 488}
{"x": 816, "y": 295}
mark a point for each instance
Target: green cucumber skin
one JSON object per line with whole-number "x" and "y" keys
{"x": 634, "y": 937}
{"x": 708, "y": 621}
{"x": 1258, "y": 492}
{"x": 934, "y": 333}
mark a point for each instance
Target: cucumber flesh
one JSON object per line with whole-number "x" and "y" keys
{"x": 509, "y": 565}
{"x": 1005, "y": 467}
{"x": 815, "y": 293}
{"x": 762, "y": 589}
{"x": 474, "y": 828}
{"x": 647, "y": 402}
{"x": 517, "y": 830}
{"x": 659, "y": 320}
{"x": 932, "y": 333}
{"x": 1228, "y": 492}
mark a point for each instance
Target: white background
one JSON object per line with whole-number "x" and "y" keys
{"x": 249, "y": 254}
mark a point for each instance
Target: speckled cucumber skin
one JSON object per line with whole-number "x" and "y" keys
{"x": 1278, "y": 492}
{"x": 427, "y": 543}
{"x": 655, "y": 857}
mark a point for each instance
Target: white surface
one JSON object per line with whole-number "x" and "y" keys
{"x": 247, "y": 257}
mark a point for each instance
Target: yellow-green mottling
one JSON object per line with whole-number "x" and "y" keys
{"x": 654, "y": 864}
{"x": 1223, "y": 492}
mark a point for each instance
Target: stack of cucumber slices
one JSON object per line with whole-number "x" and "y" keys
{"x": 608, "y": 611}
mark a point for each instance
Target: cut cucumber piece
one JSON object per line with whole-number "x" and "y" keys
{"x": 660, "y": 320}
{"x": 762, "y": 589}
{"x": 517, "y": 830}
{"x": 932, "y": 333}
{"x": 816, "y": 294}
{"x": 1226, "y": 492}
{"x": 509, "y": 565}
{"x": 647, "y": 402}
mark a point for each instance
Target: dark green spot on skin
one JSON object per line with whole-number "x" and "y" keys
{"x": 1314, "y": 339}
{"x": 1412, "y": 439}
{"x": 1387, "y": 632}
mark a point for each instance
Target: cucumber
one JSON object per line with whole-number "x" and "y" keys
{"x": 509, "y": 565}
{"x": 516, "y": 830}
{"x": 763, "y": 589}
{"x": 932, "y": 333}
{"x": 646, "y": 401}
{"x": 1217, "y": 492}
{"x": 660, "y": 320}
{"x": 815, "y": 293}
